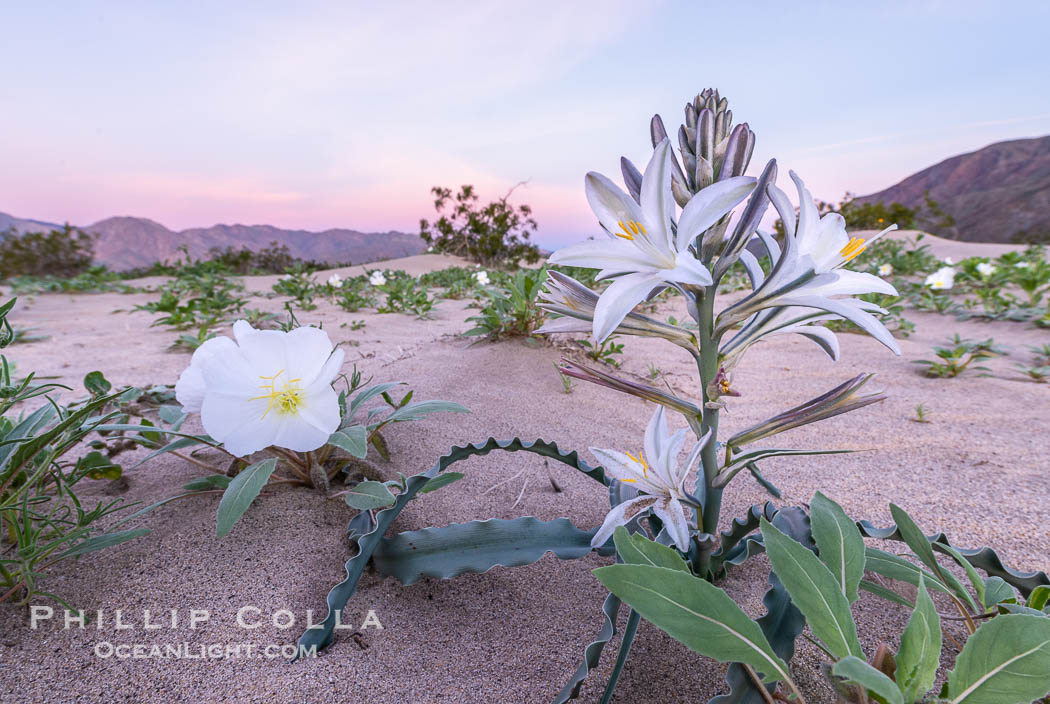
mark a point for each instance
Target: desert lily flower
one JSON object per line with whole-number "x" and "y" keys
{"x": 645, "y": 249}
{"x": 656, "y": 473}
{"x": 811, "y": 273}
{"x": 569, "y": 298}
{"x": 263, "y": 388}
{"x": 941, "y": 280}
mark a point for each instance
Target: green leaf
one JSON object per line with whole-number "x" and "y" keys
{"x": 922, "y": 548}
{"x": 996, "y": 591}
{"x": 1038, "y": 598}
{"x": 639, "y": 550}
{"x": 369, "y": 495}
{"x": 212, "y": 481}
{"x": 170, "y": 414}
{"x": 815, "y": 592}
{"x": 416, "y": 411}
{"x": 884, "y": 592}
{"x": 101, "y": 542}
{"x": 857, "y": 671}
{"x": 97, "y": 384}
{"x": 1007, "y": 661}
{"x": 840, "y": 543}
{"x": 896, "y": 567}
{"x": 240, "y": 493}
{"x": 95, "y": 465}
{"x": 478, "y": 546}
{"x": 379, "y": 443}
{"x": 353, "y": 439}
{"x": 695, "y": 613}
{"x": 920, "y": 651}
{"x": 440, "y": 481}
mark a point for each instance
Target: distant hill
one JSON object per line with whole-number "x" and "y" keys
{"x": 995, "y": 194}
{"x": 128, "y": 242}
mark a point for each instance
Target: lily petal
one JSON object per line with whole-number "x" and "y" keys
{"x": 709, "y": 205}
{"x": 620, "y": 299}
{"x": 619, "y": 515}
{"x": 672, "y": 513}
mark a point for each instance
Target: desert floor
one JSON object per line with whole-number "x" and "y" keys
{"x": 977, "y": 471}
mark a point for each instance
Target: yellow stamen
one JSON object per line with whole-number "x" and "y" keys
{"x": 724, "y": 385}
{"x": 631, "y": 229}
{"x": 630, "y": 481}
{"x": 853, "y": 248}
{"x": 640, "y": 459}
{"x": 286, "y": 399}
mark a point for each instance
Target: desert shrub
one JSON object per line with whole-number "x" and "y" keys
{"x": 494, "y": 235}
{"x": 510, "y": 310}
{"x": 58, "y": 253}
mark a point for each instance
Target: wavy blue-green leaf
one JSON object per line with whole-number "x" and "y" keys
{"x": 366, "y": 529}
{"x": 449, "y": 551}
{"x": 593, "y": 652}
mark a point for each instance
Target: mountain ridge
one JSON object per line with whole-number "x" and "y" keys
{"x": 128, "y": 242}
{"x": 998, "y": 193}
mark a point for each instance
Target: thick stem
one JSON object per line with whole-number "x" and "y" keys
{"x": 708, "y": 368}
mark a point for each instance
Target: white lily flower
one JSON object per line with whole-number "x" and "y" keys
{"x": 985, "y": 269}
{"x": 942, "y": 279}
{"x": 377, "y": 279}
{"x": 885, "y": 269}
{"x": 645, "y": 251}
{"x": 264, "y": 388}
{"x": 482, "y": 277}
{"x": 335, "y": 280}
{"x": 811, "y": 273}
{"x": 655, "y": 472}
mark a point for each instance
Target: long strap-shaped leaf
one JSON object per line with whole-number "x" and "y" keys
{"x": 367, "y": 528}
{"x": 593, "y": 652}
{"x": 982, "y": 558}
{"x": 478, "y": 546}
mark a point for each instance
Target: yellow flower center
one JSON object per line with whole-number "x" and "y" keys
{"x": 640, "y": 459}
{"x": 724, "y": 386}
{"x": 631, "y": 229}
{"x": 854, "y": 247}
{"x": 285, "y": 400}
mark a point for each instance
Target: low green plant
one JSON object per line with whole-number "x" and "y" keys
{"x": 404, "y": 294}
{"x": 353, "y": 294}
{"x": 43, "y": 521}
{"x": 958, "y": 355}
{"x": 298, "y": 284}
{"x": 197, "y": 295}
{"x": 605, "y": 351}
{"x": 821, "y": 569}
{"x": 511, "y": 310}
{"x": 920, "y": 414}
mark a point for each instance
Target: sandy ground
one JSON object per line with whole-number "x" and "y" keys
{"x": 977, "y": 470}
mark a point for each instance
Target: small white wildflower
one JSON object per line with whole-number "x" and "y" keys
{"x": 1022, "y": 265}
{"x": 985, "y": 269}
{"x": 885, "y": 269}
{"x": 377, "y": 279}
{"x": 942, "y": 279}
{"x": 949, "y": 261}
{"x": 335, "y": 280}
{"x": 482, "y": 277}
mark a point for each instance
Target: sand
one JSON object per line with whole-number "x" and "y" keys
{"x": 977, "y": 470}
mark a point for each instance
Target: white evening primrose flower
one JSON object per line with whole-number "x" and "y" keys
{"x": 430, "y": 249}
{"x": 645, "y": 250}
{"x": 657, "y": 474}
{"x": 811, "y": 271}
{"x": 949, "y": 261}
{"x": 885, "y": 269}
{"x": 335, "y": 280}
{"x": 377, "y": 279}
{"x": 985, "y": 269}
{"x": 482, "y": 277}
{"x": 263, "y": 388}
{"x": 942, "y": 279}
{"x": 1022, "y": 265}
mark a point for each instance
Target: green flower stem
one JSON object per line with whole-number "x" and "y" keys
{"x": 708, "y": 368}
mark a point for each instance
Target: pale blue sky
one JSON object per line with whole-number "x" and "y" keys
{"x": 318, "y": 115}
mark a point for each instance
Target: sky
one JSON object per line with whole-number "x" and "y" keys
{"x": 312, "y": 115}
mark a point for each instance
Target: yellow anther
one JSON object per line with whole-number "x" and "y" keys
{"x": 286, "y": 399}
{"x": 640, "y": 459}
{"x": 854, "y": 247}
{"x": 724, "y": 385}
{"x": 630, "y": 229}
